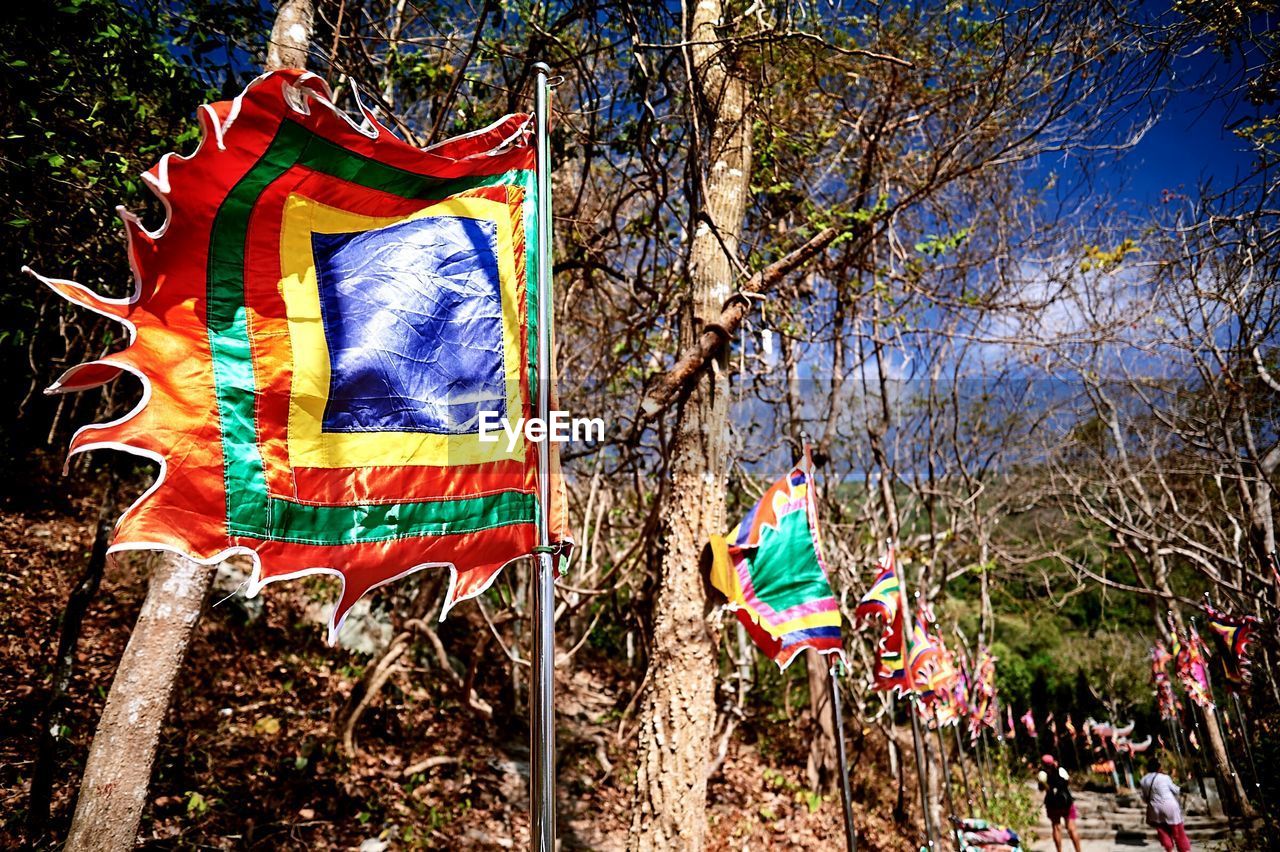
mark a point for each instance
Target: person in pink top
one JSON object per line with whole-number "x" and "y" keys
{"x": 1164, "y": 814}
{"x": 1059, "y": 804}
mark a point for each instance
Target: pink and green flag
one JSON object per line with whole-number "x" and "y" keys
{"x": 770, "y": 568}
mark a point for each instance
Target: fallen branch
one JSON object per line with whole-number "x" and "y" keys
{"x": 430, "y": 763}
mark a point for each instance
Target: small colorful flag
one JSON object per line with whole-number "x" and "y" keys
{"x": 941, "y": 687}
{"x": 984, "y": 708}
{"x": 1167, "y": 703}
{"x": 883, "y": 602}
{"x": 321, "y": 326}
{"x": 1192, "y": 671}
{"x": 1029, "y": 724}
{"x": 1071, "y": 728}
{"x": 1233, "y": 635}
{"x": 770, "y": 568}
{"x": 924, "y": 659}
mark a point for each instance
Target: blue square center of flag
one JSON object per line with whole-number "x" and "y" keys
{"x": 412, "y": 316}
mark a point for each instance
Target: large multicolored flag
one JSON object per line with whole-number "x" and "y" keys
{"x": 770, "y": 568}
{"x": 320, "y": 326}
{"x": 883, "y": 602}
{"x": 1232, "y": 634}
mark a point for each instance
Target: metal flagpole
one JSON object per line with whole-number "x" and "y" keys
{"x": 846, "y": 794}
{"x": 964, "y": 769}
{"x": 834, "y": 671}
{"x": 1244, "y": 735}
{"x": 1193, "y": 759}
{"x": 917, "y": 739}
{"x": 1172, "y": 726}
{"x": 980, "y": 755}
{"x": 542, "y": 742}
{"x": 946, "y": 780}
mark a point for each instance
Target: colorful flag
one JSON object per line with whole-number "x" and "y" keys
{"x": 941, "y": 687}
{"x": 320, "y": 326}
{"x": 1191, "y": 669}
{"x": 960, "y": 692}
{"x": 1029, "y": 722}
{"x": 1167, "y": 703}
{"x": 984, "y": 710}
{"x": 1071, "y": 728}
{"x": 923, "y": 660}
{"x": 770, "y": 569}
{"x": 1233, "y": 635}
{"x": 883, "y": 602}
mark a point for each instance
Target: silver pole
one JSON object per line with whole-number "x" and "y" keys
{"x": 954, "y": 833}
{"x": 542, "y": 732}
{"x": 917, "y": 738}
{"x": 846, "y": 795}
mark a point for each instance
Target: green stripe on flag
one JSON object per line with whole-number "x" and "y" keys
{"x": 301, "y": 523}
{"x": 251, "y": 511}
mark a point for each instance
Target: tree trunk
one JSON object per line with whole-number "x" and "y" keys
{"x": 678, "y": 719}
{"x": 114, "y": 787}
{"x": 291, "y": 35}
{"x": 824, "y": 763}
{"x": 64, "y": 667}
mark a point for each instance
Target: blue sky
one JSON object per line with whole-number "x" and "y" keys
{"x": 1190, "y": 142}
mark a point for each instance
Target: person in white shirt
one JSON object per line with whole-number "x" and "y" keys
{"x": 1164, "y": 814}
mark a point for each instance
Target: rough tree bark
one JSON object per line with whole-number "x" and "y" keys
{"x": 86, "y": 589}
{"x": 824, "y": 763}
{"x": 678, "y": 718}
{"x": 117, "y": 772}
{"x": 114, "y": 787}
{"x": 291, "y": 35}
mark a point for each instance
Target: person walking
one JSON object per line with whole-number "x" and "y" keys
{"x": 1164, "y": 814}
{"x": 1059, "y": 804}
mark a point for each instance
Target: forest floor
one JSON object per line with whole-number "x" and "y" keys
{"x": 250, "y": 756}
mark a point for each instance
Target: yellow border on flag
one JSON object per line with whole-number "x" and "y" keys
{"x": 309, "y": 445}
